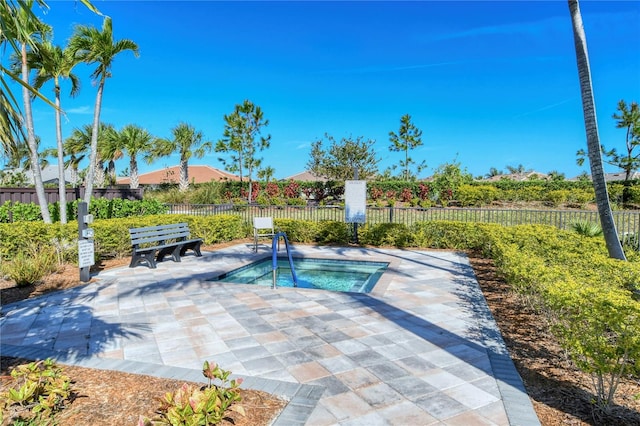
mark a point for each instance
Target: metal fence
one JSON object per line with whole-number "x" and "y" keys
{"x": 627, "y": 222}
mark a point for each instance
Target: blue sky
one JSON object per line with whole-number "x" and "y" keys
{"x": 490, "y": 84}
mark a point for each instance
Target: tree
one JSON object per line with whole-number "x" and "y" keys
{"x": 344, "y": 159}
{"x": 32, "y": 30}
{"x": 266, "y": 173}
{"x": 91, "y": 45}
{"x": 188, "y": 142}
{"x": 54, "y": 63}
{"x": 136, "y": 141}
{"x": 628, "y": 118}
{"x": 556, "y": 176}
{"x": 242, "y": 139}
{"x": 407, "y": 139}
{"x": 516, "y": 170}
{"x": 614, "y": 247}
{"x": 447, "y": 178}
{"x": 493, "y": 172}
{"x": 110, "y": 149}
{"x": 75, "y": 146}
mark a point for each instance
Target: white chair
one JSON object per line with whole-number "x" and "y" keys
{"x": 262, "y": 227}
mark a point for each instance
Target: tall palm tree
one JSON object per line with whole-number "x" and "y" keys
{"x": 136, "y": 141}
{"x": 91, "y": 45}
{"x": 614, "y": 247}
{"x": 33, "y": 29}
{"x": 53, "y": 63}
{"x": 188, "y": 142}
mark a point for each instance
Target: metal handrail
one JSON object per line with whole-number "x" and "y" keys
{"x": 276, "y": 240}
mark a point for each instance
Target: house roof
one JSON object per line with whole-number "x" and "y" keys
{"x": 305, "y": 176}
{"x": 49, "y": 174}
{"x": 197, "y": 174}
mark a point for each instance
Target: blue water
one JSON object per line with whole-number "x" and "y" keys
{"x": 333, "y": 275}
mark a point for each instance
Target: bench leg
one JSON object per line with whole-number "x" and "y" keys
{"x": 149, "y": 256}
{"x": 173, "y": 251}
{"x": 195, "y": 246}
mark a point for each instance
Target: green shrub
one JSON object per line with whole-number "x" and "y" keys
{"x": 30, "y": 265}
{"x": 385, "y": 234}
{"x": 471, "y": 195}
{"x": 333, "y": 232}
{"x": 557, "y": 197}
{"x": 298, "y": 231}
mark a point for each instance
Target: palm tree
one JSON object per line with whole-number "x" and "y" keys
{"x": 75, "y": 146}
{"x": 493, "y": 172}
{"x": 54, "y": 63}
{"x": 15, "y": 22}
{"x": 136, "y": 141}
{"x": 91, "y": 45}
{"x": 110, "y": 149}
{"x": 187, "y": 141}
{"x": 32, "y": 29}
{"x": 614, "y": 246}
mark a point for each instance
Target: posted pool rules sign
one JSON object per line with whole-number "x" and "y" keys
{"x": 86, "y": 253}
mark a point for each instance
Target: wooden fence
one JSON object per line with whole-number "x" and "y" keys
{"x": 28, "y": 195}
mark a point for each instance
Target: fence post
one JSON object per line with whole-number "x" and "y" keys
{"x": 390, "y": 214}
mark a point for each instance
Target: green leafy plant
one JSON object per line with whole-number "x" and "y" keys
{"x": 587, "y": 229}
{"x": 30, "y": 265}
{"x": 41, "y": 388}
{"x": 192, "y": 405}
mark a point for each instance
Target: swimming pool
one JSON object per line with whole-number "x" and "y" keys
{"x": 324, "y": 274}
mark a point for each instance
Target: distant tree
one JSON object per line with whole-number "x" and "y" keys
{"x": 448, "y": 177}
{"x": 343, "y": 158}
{"x": 556, "y": 176}
{"x": 76, "y": 146}
{"x": 136, "y": 141}
{"x": 187, "y": 142}
{"x": 516, "y": 170}
{"x": 628, "y": 118}
{"x": 266, "y": 173}
{"x": 409, "y": 137}
{"x": 242, "y": 139}
{"x": 493, "y": 172}
{"x": 614, "y": 247}
{"x": 91, "y": 45}
{"x": 110, "y": 149}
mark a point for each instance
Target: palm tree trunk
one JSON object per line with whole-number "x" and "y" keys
{"x": 93, "y": 155}
{"x": 614, "y": 247}
{"x": 62, "y": 192}
{"x": 133, "y": 173}
{"x": 184, "y": 175}
{"x": 31, "y": 141}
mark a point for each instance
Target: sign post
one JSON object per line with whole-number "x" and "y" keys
{"x": 86, "y": 250}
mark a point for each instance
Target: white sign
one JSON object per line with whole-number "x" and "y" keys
{"x": 86, "y": 253}
{"x": 355, "y": 201}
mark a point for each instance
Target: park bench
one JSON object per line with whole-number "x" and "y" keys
{"x": 152, "y": 243}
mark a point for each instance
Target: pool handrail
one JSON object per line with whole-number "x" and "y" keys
{"x": 276, "y": 240}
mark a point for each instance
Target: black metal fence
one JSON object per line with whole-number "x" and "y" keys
{"x": 627, "y": 222}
